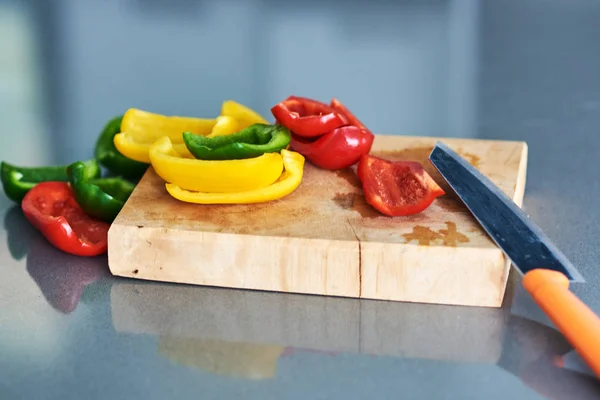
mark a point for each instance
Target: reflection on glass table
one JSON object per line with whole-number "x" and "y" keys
{"x": 245, "y": 333}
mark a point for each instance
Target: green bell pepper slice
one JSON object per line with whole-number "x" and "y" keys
{"x": 17, "y": 181}
{"x": 251, "y": 142}
{"x": 109, "y": 157}
{"x": 100, "y": 198}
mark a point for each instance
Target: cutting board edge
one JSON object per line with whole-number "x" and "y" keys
{"x": 139, "y": 253}
{"x": 133, "y": 254}
{"x": 399, "y": 273}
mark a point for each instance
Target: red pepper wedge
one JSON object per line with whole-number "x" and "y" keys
{"x": 396, "y": 188}
{"x": 306, "y": 117}
{"x": 52, "y": 209}
{"x": 337, "y": 106}
{"x": 340, "y": 148}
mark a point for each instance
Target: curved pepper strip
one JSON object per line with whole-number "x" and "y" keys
{"x": 17, "y": 181}
{"x": 99, "y": 198}
{"x": 52, "y": 209}
{"x": 146, "y": 123}
{"x": 306, "y": 117}
{"x": 244, "y": 115}
{"x": 337, "y": 149}
{"x": 225, "y": 126}
{"x": 107, "y": 154}
{"x": 139, "y": 129}
{"x": 213, "y": 176}
{"x": 352, "y": 120}
{"x": 288, "y": 182}
{"x": 251, "y": 142}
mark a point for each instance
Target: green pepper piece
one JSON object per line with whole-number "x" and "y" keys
{"x": 251, "y": 142}
{"x": 17, "y": 181}
{"x": 100, "y": 198}
{"x": 108, "y": 155}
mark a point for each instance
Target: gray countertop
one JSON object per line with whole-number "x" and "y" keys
{"x": 521, "y": 70}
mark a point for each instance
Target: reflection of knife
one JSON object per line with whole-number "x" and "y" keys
{"x": 546, "y": 270}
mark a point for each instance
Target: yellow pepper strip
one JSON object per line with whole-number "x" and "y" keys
{"x": 139, "y": 129}
{"x": 134, "y": 147}
{"x": 137, "y": 121}
{"x": 225, "y": 126}
{"x": 244, "y": 115}
{"x": 288, "y": 182}
{"x": 138, "y": 148}
{"x": 227, "y": 176}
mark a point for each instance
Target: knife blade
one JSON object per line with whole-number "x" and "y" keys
{"x": 546, "y": 271}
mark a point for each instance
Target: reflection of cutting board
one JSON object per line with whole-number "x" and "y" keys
{"x": 239, "y": 320}
{"x": 324, "y": 238}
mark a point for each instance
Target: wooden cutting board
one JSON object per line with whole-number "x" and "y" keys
{"x": 324, "y": 238}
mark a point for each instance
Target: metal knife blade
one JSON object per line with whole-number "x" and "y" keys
{"x": 508, "y": 225}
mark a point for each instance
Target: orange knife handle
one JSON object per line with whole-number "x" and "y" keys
{"x": 579, "y": 324}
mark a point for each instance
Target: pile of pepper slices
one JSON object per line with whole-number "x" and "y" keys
{"x": 237, "y": 157}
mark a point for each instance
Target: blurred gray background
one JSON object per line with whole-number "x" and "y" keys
{"x": 67, "y": 66}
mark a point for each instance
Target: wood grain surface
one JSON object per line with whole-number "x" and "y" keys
{"x": 324, "y": 238}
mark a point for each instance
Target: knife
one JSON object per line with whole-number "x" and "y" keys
{"x": 546, "y": 271}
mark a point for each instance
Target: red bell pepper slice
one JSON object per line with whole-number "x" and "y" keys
{"x": 337, "y": 149}
{"x": 53, "y": 210}
{"x": 306, "y": 117}
{"x": 343, "y": 110}
{"x": 396, "y": 188}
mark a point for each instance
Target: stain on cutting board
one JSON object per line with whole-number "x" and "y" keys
{"x": 424, "y": 235}
{"x": 356, "y": 202}
{"x": 349, "y": 175}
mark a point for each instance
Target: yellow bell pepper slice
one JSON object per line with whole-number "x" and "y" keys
{"x": 227, "y": 176}
{"x": 225, "y": 126}
{"x": 140, "y": 129}
{"x": 150, "y": 124}
{"x": 137, "y": 147}
{"x": 244, "y": 115}
{"x": 288, "y": 182}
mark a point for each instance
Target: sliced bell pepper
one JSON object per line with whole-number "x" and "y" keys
{"x": 52, "y": 209}
{"x": 134, "y": 146}
{"x": 306, "y": 117}
{"x": 140, "y": 150}
{"x": 343, "y": 110}
{"x": 289, "y": 180}
{"x": 225, "y": 126}
{"x": 337, "y": 149}
{"x": 210, "y": 175}
{"x": 244, "y": 115}
{"x": 156, "y": 125}
{"x": 251, "y": 142}
{"x": 396, "y": 188}
{"x": 107, "y": 154}
{"x": 139, "y": 129}
{"x": 100, "y": 198}
{"x": 17, "y": 181}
